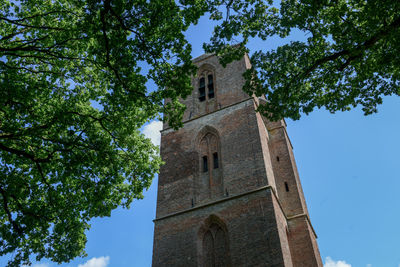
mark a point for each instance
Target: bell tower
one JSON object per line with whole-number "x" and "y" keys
{"x": 229, "y": 193}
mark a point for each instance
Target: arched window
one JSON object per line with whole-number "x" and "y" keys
{"x": 215, "y": 245}
{"x": 210, "y": 180}
{"x": 209, "y": 149}
{"x": 206, "y": 92}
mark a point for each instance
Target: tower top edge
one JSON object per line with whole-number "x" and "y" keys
{"x": 202, "y": 57}
{"x": 208, "y": 55}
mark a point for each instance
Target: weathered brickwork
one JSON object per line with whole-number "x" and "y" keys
{"x": 229, "y": 193}
{"x": 252, "y": 242}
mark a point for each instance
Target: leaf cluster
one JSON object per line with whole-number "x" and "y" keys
{"x": 349, "y": 56}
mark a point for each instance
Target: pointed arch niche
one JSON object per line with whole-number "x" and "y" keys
{"x": 209, "y": 183}
{"x": 213, "y": 243}
{"x": 206, "y": 89}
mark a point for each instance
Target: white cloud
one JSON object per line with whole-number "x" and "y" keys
{"x": 369, "y": 265}
{"x": 331, "y": 263}
{"x": 152, "y": 131}
{"x": 96, "y": 262}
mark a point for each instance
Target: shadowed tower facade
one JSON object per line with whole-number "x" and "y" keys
{"x": 229, "y": 193}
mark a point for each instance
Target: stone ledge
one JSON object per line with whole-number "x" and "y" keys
{"x": 266, "y": 187}
{"x": 215, "y": 111}
{"x": 212, "y": 203}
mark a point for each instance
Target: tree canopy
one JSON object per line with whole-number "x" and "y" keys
{"x": 73, "y": 94}
{"x": 350, "y": 55}
{"x": 72, "y": 101}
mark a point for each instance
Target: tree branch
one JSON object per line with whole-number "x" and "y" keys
{"x": 352, "y": 53}
{"x": 22, "y": 153}
{"x": 15, "y": 22}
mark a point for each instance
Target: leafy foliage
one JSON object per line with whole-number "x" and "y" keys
{"x": 350, "y": 55}
{"x": 72, "y": 101}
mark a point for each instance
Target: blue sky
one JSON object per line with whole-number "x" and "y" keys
{"x": 349, "y": 168}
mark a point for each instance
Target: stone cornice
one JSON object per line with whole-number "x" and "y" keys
{"x": 266, "y": 187}
{"x": 215, "y": 111}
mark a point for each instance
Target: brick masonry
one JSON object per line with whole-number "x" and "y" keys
{"x": 254, "y": 197}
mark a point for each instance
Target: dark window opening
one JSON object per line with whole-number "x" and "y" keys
{"x": 205, "y": 164}
{"x": 202, "y": 90}
{"x": 286, "y": 187}
{"x": 215, "y": 160}
{"x": 210, "y": 86}
{"x": 277, "y": 158}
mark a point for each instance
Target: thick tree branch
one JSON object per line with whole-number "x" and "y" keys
{"x": 22, "y": 153}
{"x": 42, "y": 15}
{"x": 15, "y": 22}
{"x": 352, "y": 53}
{"x": 31, "y": 70}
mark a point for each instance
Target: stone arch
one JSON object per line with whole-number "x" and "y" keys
{"x": 213, "y": 243}
{"x": 206, "y": 129}
{"x": 209, "y": 183}
{"x": 204, "y": 68}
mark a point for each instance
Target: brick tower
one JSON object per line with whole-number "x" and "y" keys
{"x": 229, "y": 193}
